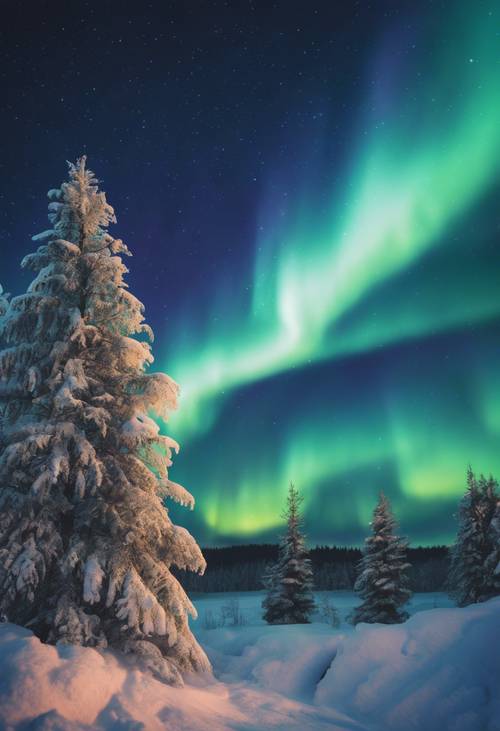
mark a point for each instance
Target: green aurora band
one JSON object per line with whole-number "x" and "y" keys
{"x": 331, "y": 285}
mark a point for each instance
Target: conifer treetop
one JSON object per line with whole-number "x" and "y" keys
{"x": 382, "y": 581}
{"x": 289, "y": 598}
{"x": 86, "y": 542}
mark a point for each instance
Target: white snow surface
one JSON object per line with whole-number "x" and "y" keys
{"x": 439, "y": 671}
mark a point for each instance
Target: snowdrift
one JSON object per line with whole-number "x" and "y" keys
{"x": 440, "y": 671}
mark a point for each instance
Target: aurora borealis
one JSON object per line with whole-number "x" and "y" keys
{"x": 314, "y": 205}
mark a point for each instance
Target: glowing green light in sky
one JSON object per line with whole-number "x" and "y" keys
{"x": 409, "y": 182}
{"x": 406, "y": 187}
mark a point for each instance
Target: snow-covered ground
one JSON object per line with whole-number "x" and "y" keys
{"x": 250, "y": 604}
{"x": 440, "y": 671}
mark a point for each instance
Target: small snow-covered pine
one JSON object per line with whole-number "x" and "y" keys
{"x": 86, "y": 543}
{"x": 289, "y": 582}
{"x": 382, "y": 581}
{"x": 475, "y": 556}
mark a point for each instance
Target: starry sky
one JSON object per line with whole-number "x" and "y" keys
{"x": 312, "y": 195}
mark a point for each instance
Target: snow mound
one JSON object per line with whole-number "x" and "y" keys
{"x": 438, "y": 671}
{"x": 287, "y": 659}
{"x": 67, "y": 688}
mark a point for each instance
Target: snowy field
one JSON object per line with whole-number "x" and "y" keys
{"x": 250, "y": 605}
{"x": 440, "y": 671}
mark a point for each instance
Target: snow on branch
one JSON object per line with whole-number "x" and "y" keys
{"x": 176, "y": 492}
{"x": 92, "y": 582}
{"x": 140, "y": 608}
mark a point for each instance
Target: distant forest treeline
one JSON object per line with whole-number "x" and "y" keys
{"x": 240, "y": 568}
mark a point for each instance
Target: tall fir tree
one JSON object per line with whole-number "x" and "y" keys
{"x": 382, "y": 581}
{"x": 86, "y": 543}
{"x": 289, "y": 581}
{"x": 473, "y": 570}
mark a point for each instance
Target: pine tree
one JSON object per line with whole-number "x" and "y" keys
{"x": 86, "y": 543}
{"x": 382, "y": 581}
{"x": 473, "y": 575}
{"x": 289, "y": 581}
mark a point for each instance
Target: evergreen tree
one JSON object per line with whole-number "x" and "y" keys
{"x": 86, "y": 543}
{"x": 289, "y": 581}
{"x": 382, "y": 581}
{"x": 473, "y": 575}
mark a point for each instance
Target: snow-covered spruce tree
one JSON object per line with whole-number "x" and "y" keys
{"x": 86, "y": 544}
{"x": 473, "y": 570}
{"x": 289, "y": 581}
{"x": 382, "y": 581}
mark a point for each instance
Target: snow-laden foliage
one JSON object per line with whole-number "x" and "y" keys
{"x": 289, "y": 582}
{"x": 86, "y": 543}
{"x": 475, "y": 557}
{"x": 382, "y": 581}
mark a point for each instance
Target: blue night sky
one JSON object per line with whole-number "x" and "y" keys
{"x": 311, "y": 193}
